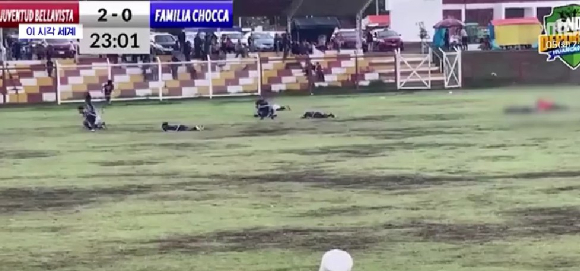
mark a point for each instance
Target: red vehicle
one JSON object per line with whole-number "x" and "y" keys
{"x": 388, "y": 40}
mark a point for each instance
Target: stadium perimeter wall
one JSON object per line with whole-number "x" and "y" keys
{"x": 483, "y": 69}
{"x": 28, "y": 82}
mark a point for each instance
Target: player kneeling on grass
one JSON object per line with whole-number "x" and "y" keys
{"x": 91, "y": 119}
{"x": 166, "y": 127}
{"x": 264, "y": 110}
{"x": 317, "y": 115}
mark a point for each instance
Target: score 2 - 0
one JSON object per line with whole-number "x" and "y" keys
{"x": 108, "y": 24}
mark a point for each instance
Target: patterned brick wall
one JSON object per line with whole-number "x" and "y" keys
{"x": 28, "y": 82}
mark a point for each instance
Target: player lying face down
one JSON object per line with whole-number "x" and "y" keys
{"x": 317, "y": 115}
{"x": 541, "y": 106}
{"x": 166, "y": 127}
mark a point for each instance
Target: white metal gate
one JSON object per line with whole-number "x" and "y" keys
{"x": 413, "y": 80}
{"x": 452, "y": 68}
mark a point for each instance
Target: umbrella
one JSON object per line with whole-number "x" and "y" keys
{"x": 450, "y": 22}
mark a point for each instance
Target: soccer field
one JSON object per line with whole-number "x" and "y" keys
{"x": 419, "y": 182}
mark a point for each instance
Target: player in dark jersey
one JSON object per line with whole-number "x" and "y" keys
{"x": 91, "y": 119}
{"x": 166, "y": 127}
{"x": 317, "y": 115}
{"x": 108, "y": 90}
{"x": 264, "y": 110}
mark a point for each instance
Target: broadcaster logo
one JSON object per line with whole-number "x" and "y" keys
{"x": 561, "y": 36}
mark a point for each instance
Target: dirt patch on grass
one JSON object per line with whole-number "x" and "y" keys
{"x": 547, "y": 220}
{"x": 272, "y": 130}
{"x": 39, "y": 199}
{"x": 359, "y": 150}
{"x": 314, "y": 239}
{"x": 557, "y": 190}
{"x": 538, "y": 175}
{"x": 417, "y": 117}
{"x": 369, "y": 150}
{"x": 122, "y": 163}
{"x": 25, "y": 154}
{"x": 363, "y": 181}
{"x": 345, "y": 211}
{"x": 496, "y": 158}
{"x": 454, "y": 233}
{"x": 409, "y": 132}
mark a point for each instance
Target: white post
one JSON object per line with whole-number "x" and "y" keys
{"x": 210, "y": 75}
{"x": 57, "y": 74}
{"x": 159, "y": 79}
{"x": 398, "y": 67}
{"x": 429, "y": 65}
{"x": 259, "y": 65}
{"x": 109, "y": 70}
{"x": 459, "y": 68}
{"x": 359, "y": 31}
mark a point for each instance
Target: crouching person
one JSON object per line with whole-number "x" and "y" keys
{"x": 264, "y": 109}
{"x": 91, "y": 119}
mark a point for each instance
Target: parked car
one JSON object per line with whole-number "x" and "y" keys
{"x": 61, "y": 48}
{"x": 190, "y": 36}
{"x": 348, "y": 38}
{"x": 234, "y": 36}
{"x": 389, "y": 40}
{"x": 163, "y": 43}
{"x": 262, "y": 41}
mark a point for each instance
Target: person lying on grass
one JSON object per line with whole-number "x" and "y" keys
{"x": 180, "y": 128}
{"x": 265, "y": 110}
{"x": 542, "y": 106}
{"x": 317, "y": 115}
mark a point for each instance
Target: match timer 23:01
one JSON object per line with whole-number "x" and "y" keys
{"x": 117, "y": 27}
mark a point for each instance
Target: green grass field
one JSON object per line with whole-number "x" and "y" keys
{"x": 421, "y": 182}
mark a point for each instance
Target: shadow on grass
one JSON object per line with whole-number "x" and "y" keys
{"x": 314, "y": 239}
{"x": 345, "y": 211}
{"x": 548, "y": 220}
{"x": 409, "y": 117}
{"x": 332, "y": 180}
{"x": 25, "y": 154}
{"x": 122, "y": 163}
{"x": 370, "y": 150}
{"x": 14, "y": 200}
{"x": 39, "y": 199}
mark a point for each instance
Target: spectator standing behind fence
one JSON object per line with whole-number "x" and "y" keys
{"x": 16, "y": 49}
{"x": 49, "y": 67}
{"x": 319, "y": 72}
{"x": 464, "y": 39}
{"x": 285, "y": 45}
{"x": 277, "y": 43}
{"x": 206, "y": 47}
{"x": 187, "y": 51}
{"x": 72, "y": 49}
{"x": 370, "y": 41}
{"x": 174, "y": 67}
{"x": 240, "y": 50}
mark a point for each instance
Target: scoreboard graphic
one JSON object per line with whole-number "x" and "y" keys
{"x": 111, "y": 27}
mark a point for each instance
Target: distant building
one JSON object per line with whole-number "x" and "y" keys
{"x": 483, "y": 11}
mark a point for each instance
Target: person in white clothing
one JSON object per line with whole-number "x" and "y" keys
{"x": 464, "y": 39}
